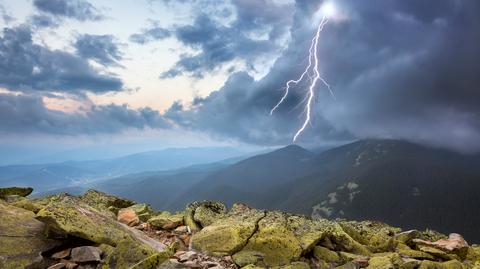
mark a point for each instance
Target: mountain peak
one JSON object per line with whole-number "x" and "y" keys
{"x": 292, "y": 149}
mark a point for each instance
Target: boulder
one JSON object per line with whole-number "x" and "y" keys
{"x": 245, "y": 257}
{"x": 454, "y": 244}
{"x": 104, "y": 202}
{"x": 325, "y": 254}
{"x": 128, "y": 217}
{"x": 166, "y": 221}
{"x": 426, "y": 264}
{"x": 27, "y": 204}
{"x": 207, "y": 213}
{"x": 385, "y": 261}
{"x": 229, "y": 234}
{"x": 143, "y": 211}
{"x": 22, "y": 192}
{"x": 22, "y": 238}
{"x": 86, "y": 254}
{"x": 70, "y": 215}
{"x": 275, "y": 241}
{"x": 377, "y": 236}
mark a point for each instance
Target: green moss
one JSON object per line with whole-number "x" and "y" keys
{"x": 21, "y": 237}
{"x": 345, "y": 241}
{"x": 275, "y": 241}
{"x": 252, "y": 266}
{"x": 377, "y": 236}
{"x": 70, "y": 215}
{"x": 445, "y": 265}
{"x": 406, "y": 251}
{"x": 438, "y": 253}
{"x": 246, "y": 257}
{"x": 165, "y": 219}
{"x": 308, "y": 232}
{"x": 207, "y": 213}
{"x": 385, "y": 261}
{"x": 154, "y": 260}
{"x": 294, "y": 265}
{"x": 27, "y": 205}
{"x": 15, "y": 191}
{"x": 188, "y": 218}
{"x": 228, "y": 235}
{"x": 126, "y": 254}
{"x": 102, "y": 201}
{"x": 325, "y": 254}
{"x": 143, "y": 211}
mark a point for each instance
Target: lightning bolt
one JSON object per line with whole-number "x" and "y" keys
{"x": 312, "y": 67}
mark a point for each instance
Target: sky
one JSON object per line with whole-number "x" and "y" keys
{"x": 208, "y": 72}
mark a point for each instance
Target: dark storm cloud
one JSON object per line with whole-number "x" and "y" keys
{"x": 147, "y": 35}
{"x": 399, "y": 69}
{"x": 75, "y": 9}
{"x": 28, "y": 114}
{"x": 26, "y": 66}
{"x": 255, "y": 32}
{"x": 101, "y": 48}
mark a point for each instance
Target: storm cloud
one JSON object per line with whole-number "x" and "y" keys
{"x": 27, "y": 114}
{"x": 101, "y": 48}
{"x": 27, "y": 66}
{"x": 75, "y": 9}
{"x": 399, "y": 69}
{"x": 256, "y": 31}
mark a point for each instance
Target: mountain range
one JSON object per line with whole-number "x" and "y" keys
{"x": 397, "y": 182}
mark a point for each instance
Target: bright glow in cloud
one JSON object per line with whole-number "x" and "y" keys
{"x": 330, "y": 10}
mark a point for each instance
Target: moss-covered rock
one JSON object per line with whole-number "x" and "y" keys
{"x": 385, "y": 261}
{"x": 406, "y": 251}
{"x": 70, "y": 215}
{"x": 229, "y": 234}
{"x": 166, "y": 221}
{"x": 143, "y": 211}
{"x": 207, "y": 212}
{"x": 343, "y": 241}
{"x": 23, "y": 192}
{"x": 22, "y": 237}
{"x": 252, "y": 266}
{"x": 27, "y": 205}
{"x": 246, "y": 257}
{"x": 308, "y": 232}
{"x": 325, "y": 254}
{"x": 129, "y": 252}
{"x": 438, "y": 253}
{"x": 105, "y": 202}
{"x": 155, "y": 260}
{"x": 426, "y": 264}
{"x": 275, "y": 240}
{"x": 294, "y": 265}
{"x": 377, "y": 236}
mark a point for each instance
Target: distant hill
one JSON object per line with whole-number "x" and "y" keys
{"x": 398, "y": 182}
{"x": 244, "y": 180}
{"x": 48, "y": 177}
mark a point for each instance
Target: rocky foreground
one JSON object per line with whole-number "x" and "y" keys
{"x": 97, "y": 230}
